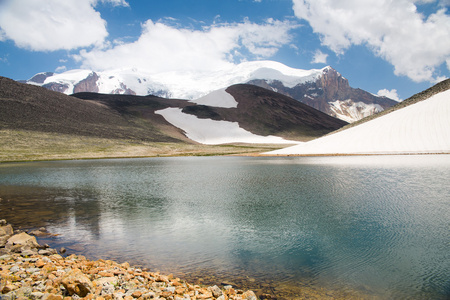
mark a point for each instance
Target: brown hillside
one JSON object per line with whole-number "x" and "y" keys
{"x": 259, "y": 111}
{"x": 27, "y": 107}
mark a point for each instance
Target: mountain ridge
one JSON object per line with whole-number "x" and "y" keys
{"x": 324, "y": 89}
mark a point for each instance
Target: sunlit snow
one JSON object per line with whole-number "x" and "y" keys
{"x": 218, "y": 98}
{"x": 211, "y": 132}
{"x": 423, "y": 127}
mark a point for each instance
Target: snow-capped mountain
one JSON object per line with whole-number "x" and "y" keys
{"x": 350, "y": 111}
{"x": 420, "y": 124}
{"x": 324, "y": 89}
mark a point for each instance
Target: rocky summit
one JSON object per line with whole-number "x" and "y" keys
{"x": 31, "y": 271}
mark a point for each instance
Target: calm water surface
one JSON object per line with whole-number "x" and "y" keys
{"x": 375, "y": 225}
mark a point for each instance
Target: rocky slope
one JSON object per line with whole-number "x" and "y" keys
{"x": 332, "y": 94}
{"x": 324, "y": 89}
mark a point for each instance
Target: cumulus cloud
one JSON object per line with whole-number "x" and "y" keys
{"x": 48, "y": 25}
{"x": 162, "y": 47}
{"x": 414, "y": 44}
{"x": 392, "y": 94}
{"x": 319, "y": 57}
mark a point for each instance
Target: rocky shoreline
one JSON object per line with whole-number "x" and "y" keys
{"x": 32, "y": 271}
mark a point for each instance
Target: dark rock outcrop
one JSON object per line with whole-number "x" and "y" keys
{"x": 88, "y": 84}
{"x": 329, "y": 87}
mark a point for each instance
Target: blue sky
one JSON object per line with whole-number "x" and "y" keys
{"x": 396, "y": 48}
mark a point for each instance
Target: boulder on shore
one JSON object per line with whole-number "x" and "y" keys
{"x": 78, "y": 283}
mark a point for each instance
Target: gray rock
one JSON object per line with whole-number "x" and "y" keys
{"x": 23, "y": 239}
{"x": 36, "y": 295}
{"x": 118, "y": 296}
{"x": 14, "y": 269}
{"x": 5, "y": 257}
{"x": 32, "y": 270}
{"x": 107, "y": 289}
{"x": 149, "y": 295}
{"x": 170, "y": 289}
{"x": 26, "y": 253}
{"x": 216, "y": 291}
{"x": 77, "y": 283}
{"x": 6, "y": 230}
{"x": 24, "y": 291}
{"x": 45, "y": 252}
{"x": 40, "y": 287}
{"x": 30, "y": 259}
{"x": 8, "y": 296}
{"x": 249, "y": 295}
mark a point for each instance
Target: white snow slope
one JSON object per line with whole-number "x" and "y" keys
{"x": 211, "y": 132}
{"x": 423, "y": 127}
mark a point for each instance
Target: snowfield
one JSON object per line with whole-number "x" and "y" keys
{"x": 211, "y": 132}
{"x": 423, "y": 127}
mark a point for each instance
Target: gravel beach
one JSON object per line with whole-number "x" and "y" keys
{"x": 32, "y": 271}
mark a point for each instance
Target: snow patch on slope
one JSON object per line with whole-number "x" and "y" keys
{"x": 350, "y": 111}
{"x": 211, "y": 132}
{"x": 423, "y": 127}
{"x": 218, "y": 98}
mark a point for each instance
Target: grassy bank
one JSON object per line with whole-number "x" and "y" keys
{"x": 19, "y": 145}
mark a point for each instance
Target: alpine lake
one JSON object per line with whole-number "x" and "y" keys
{"x": 350, "y": 227}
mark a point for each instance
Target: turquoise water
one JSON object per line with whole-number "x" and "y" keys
{"x": 371, "y": 225}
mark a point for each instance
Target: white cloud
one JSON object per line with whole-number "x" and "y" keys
{"x": 319, "y": 57}
{"x": 116, "y": 2}
{"x": 162, "y": 47}
{"x": 60, "y": 69}
{"x": 48, "y": 25}
{"x": 394, "y": 30}
{"x": 389, "y": 93}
